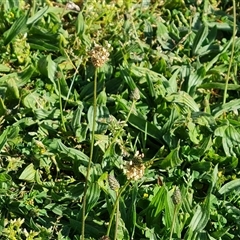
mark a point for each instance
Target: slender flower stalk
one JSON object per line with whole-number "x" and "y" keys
{"x": 177, "y": 199}
{"x": 134, "y": 170}
{"x": 134, "y": 96}
{"x": 114, "y": 185}
{"x": 99, "y": 56}
{"x": 91, "y": 154}
{"x": 232, "y": 52}
{"x": 61, "y": 107}
{"x": 116, "y": 204}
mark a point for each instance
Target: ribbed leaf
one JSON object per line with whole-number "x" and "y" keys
{"x": 234, "y": 185}
{"x": 199, "y": 220}
{"x": 28, "y": 173}
{"x": 19, "y": 26}
{"x": 51, "y": 68}
{"x": 93, "y": 194}
{"x": 157, "y": 204}
{"x": 217, "y": 85}
{"x": 80, "y": 24}
{"x": 172, "y": 159}
{"x": 101, "y": 121}
{"x": 183, "y": 98}
{"x": 37, "y": 16}
{"x": 76, "y": 120}
{"x": 199, "y": 39}
{"x": 72, "y": 153}
{"x": 3, "y": 138}
{"x": 146, "y": 127}
{"x": 132, "y": 213}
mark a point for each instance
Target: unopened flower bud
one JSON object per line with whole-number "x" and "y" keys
{"x": 176, "y": 197}
{"x": 135, "y": 94}
{"x": 113, "y": 183}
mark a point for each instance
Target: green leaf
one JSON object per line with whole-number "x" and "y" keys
{"x": 28, "y": 174}
{"x": 132, "y": 211}
{"x": 56, "y": 208}
{"x": 5, "y": 183}
{"x": 77, "y": 115}
{"x": 172, "y": 159}
{"x": 157, "y": 204}
{"x": 217, "y": 85}
{"x": 199, "y": 219}
{"x": 41, "y": 113}
{"x": 19, "y": 26}
{"x": 4, "y": 68}
{"x": 169, "y": 215}
{"x": 51, "y": 68}
{"x": 37, "y": 16}
{"x": 146, "y": 127}
{"x": 183, "y": 98}
{"x": 57, "y": 146}
{"x": 199, "y": 39}
{"x": 234, "y": 185}
{"x": 12, "y": 89}
{"x": 227, "y": 107}
{"x": 230, "y": 139}
{"x": 214, "y": 178}
{"x": 3, "y": 138}
{"x": 195, "y": 79}
{"x": 101, "y": 121}
{"x": 4, "y": 177}
{"x": 31, "y": 100}
{"x": 122, "y": 232}
{"x": 80, "y": 24}
{"x": 93, "y": 194}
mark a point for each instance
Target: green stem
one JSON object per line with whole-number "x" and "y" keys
{"x": 74, "y": 77}
{"x": 232, "y": 53}
{"x": 60, "y": 106}
{"x": 119, "y": 131}
{"x": 115, "y": 207}
{"x": 91, "y": 153}
{"x": 117, "y": 219}
{"x": 173, "y": 222}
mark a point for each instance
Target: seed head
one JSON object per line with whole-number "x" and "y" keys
{"x": 99, "y": 55}
{"x": 135, "y": 94}
{"x": 176, "y": 197}
{"x": 113, "y": 183}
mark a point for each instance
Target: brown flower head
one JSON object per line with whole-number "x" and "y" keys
{"x": 134, "y": 169}
{"x": 99, "y": 55}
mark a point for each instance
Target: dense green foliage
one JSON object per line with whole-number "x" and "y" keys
{"x": 166, "y": 142}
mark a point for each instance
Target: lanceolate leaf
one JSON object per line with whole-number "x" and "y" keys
{"x": 172, "y": 159}
{"x": 199, "y": 220}
{"x": 28, "y": 174}
{"x": 183, "y": 98}
{"x": 19, "y": 26}
{"x": 157, "y": 204}
{"x": 199, "y": 39}
{"x": 93, "y": 194}
{"x": 74, "y": 154}
{"x": 233, "y": 185}
{"x": 224, "y": 108}
{"x": 37, "y": 16}
{"x": 146, "y": 127}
